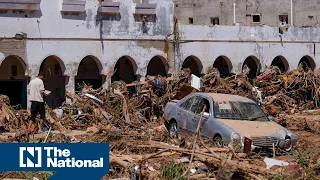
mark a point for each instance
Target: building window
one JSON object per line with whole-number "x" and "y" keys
{"x": 57, "y": 69}
{"x": 215, "y": 21}
{"x": 284, "y": 18}
{"x": 14, "y": 70}
{"x": 190, "y": 20}
{"x": 256, "y": 18}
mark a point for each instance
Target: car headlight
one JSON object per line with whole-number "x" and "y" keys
{"x": 287, "y": 144}
{"x": 236, "y": 137}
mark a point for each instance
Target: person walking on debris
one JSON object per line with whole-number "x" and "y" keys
{"x": 36, "y": 91}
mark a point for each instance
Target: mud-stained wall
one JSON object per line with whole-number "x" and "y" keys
{"x": 71, "y": 38}
{"x": 305, "y": 12}
{"x": 50, "y": 23}
{"x": 11, "y": 47}
{"x": 239, "y": 42}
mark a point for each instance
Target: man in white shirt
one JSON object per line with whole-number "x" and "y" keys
{"x": 36, "y": 92}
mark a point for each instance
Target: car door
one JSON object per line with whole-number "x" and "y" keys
{"x": 183, "y": 112}
{"x": 196, "y": 110}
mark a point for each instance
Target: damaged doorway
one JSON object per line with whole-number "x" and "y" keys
{"x": 13, "y": 81}
{"x": 281, "y": 63}
{"x": 253, "y": 64}
{"x": 158, "y": 66}
{"x": 89, "y": 72}
{"x": 125, "y": 70}
{"x": 224, "y": 65}
{"x": 194, "y": 64}
{"x": 306, "y": 62}
{"x": 54, "y": 80}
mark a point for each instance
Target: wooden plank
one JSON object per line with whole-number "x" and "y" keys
{"x": 73, "y": 8}
{"x": 74, "y": 2}
{"x": 110, "y": 10}
{"x": 145, "y": 6}
{"x": 21, "y": 1}
{"x": 146, "y": 11}
{"x": 25, "y": 7}
{"x": 110, "y": 4}
{"x": 247, "y": 145}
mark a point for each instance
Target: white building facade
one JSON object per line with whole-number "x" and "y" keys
{"x": 74, "y": 41}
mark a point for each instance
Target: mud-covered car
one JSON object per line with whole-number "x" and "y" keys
{"x": 226, "y": 120}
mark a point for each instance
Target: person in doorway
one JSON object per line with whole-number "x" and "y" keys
{"x": 36, "y": 92}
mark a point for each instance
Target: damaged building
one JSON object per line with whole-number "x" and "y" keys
{"x": 99, "y": 42}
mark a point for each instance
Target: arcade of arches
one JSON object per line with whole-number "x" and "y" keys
{"x": 125, "y": 70}
{"x": 13, "y": 79}
{"x": 54, "y": 80}
{"x": 281, "y": 63}
{"x": 307, "y": 63}
{"x": 223, "y": 64}
{"x": 88, "y": 73}
{"x": 194, "y": 64}
{"x": 157, "y": 66}
{"x": 253, "y": 64}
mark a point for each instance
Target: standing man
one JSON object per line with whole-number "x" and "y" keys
{"x": 36, "y": 91}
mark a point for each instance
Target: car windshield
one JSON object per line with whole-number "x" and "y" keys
{"x": 239, "y": 111}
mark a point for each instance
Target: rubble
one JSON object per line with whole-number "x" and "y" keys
{"x": 131, "y": 121}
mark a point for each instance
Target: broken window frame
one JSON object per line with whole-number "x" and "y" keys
{"x": 215, "y": 21}
{"x": 280, "y": 16}
{"x": 186, "y": 105}
{"x": 252, "y": 18}
{"x": 191, "y": 20}
{"x": 198, "y": 104}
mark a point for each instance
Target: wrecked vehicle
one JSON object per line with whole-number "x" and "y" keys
{"x": 227, "y": 119}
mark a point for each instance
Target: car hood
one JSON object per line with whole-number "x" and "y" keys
{"x": 253, "y": 128}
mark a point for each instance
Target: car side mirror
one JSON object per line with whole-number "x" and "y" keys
{"x": 206, "y": 115}
{"x": 271, "y": 118}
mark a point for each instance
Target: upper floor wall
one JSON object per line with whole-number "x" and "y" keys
{"x": 249, "y": 12}
{"x": 248, "y": 34}
{"x": 118, "y": 19}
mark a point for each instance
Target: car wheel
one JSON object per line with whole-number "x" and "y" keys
{"x": 173, "y": 130}
{"x": 217, "y": 141}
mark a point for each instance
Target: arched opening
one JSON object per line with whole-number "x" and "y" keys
{"x": 224, "y": 65}
{"x": 253, "y": 64}
{"x": 13, "y": 81}
{"x": 89, "y": 73}
{"x": 125, "y": 70}
{"x": 281, "y": 63}
{"x": 194, "y": 64}
{"x": 306, "y": 62}
{"x": 157, "y": 66}
{"x": 54, "y": 80}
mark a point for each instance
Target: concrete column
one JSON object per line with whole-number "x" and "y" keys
{"x": 106, "y": 82}
{"x": 142, "y": 78}
{"x": 70, "y": 83}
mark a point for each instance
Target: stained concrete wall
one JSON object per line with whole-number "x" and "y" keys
{"x": 305, "y": 12}
{"x": 70, "y": 38}
{"x": 239, "y": 42}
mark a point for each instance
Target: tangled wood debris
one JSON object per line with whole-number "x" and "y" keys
{"x": 131, "y": 121}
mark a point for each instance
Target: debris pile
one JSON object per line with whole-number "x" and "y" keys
{"x": 129, "y": 117}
